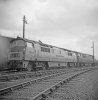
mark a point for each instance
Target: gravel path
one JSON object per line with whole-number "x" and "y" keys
{"x": 84, "y": 87}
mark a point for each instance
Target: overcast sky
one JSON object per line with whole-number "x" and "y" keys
{"x": 71, "y": 24}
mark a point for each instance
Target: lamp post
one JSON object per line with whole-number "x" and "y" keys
{"x": 93, "y": 54}
{"x": 24, "y": 22}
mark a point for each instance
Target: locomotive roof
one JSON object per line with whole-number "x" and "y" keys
{"x": 19, "y": 38}
{"x": 39, "y": 42}
{"x": 46, "y": 45}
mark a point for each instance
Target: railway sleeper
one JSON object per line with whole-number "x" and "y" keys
{"x": 52, "y": 89}
{"x": 46, "y": 92}
{"x": 10, "y": 89}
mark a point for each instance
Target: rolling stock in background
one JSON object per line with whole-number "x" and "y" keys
{"x": 31, "y": 55}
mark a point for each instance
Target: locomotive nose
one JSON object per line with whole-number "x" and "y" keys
{"x": 16, "y": 56}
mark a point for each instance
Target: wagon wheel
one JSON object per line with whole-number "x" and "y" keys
{"x": 45, "y": 66}
{"x": 29, "y": 67}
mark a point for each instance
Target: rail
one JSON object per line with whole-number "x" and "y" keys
{"x": 45, "y": 93}
{"x": 53, "y": 88}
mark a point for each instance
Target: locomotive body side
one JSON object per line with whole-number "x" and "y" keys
{"x": 84, "y": 60}
{"x": 55, "y": 56}
{"x": 32, "y": 55}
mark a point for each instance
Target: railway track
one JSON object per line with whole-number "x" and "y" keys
{"x": 37, "y": 89}
{"x": 77, "y": 87}
{"x": 22, "y": 75}
{"x": 27, "y": 77}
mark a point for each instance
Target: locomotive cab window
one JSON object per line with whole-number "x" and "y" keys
{"x": 43, "y": 49}
{"x": 17, "y": 46}
{"x": 79, "y": 54}
{"x": 17, "y": 43}
{"x": 69, "y": 54}
{"x": 29, "y": 44}
{"x": 66, "y": 53}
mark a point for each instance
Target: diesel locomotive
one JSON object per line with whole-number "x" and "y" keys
{"x": 31, "y": 55}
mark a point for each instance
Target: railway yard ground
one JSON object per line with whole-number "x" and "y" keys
{"x": 83, "y": 87}
{"x": 7, "y": 80}
{"x": 65, "y": 86}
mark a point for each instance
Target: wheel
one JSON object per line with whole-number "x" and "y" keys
{"x": 29, "y": 68}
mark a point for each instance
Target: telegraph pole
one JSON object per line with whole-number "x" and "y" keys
{"x": 93, "y": 54}
{"x": 24, "y": 22}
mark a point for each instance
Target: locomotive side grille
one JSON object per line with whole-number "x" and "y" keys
{"x": 15, "y": 55}
{"x": 17, "y": 49}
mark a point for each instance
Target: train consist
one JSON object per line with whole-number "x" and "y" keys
{"x": 32, "y": 55}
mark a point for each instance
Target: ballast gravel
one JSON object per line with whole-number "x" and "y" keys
{"x": 84, "y": 87}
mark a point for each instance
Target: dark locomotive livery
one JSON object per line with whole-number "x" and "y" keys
{"x": 32, "y": 55}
